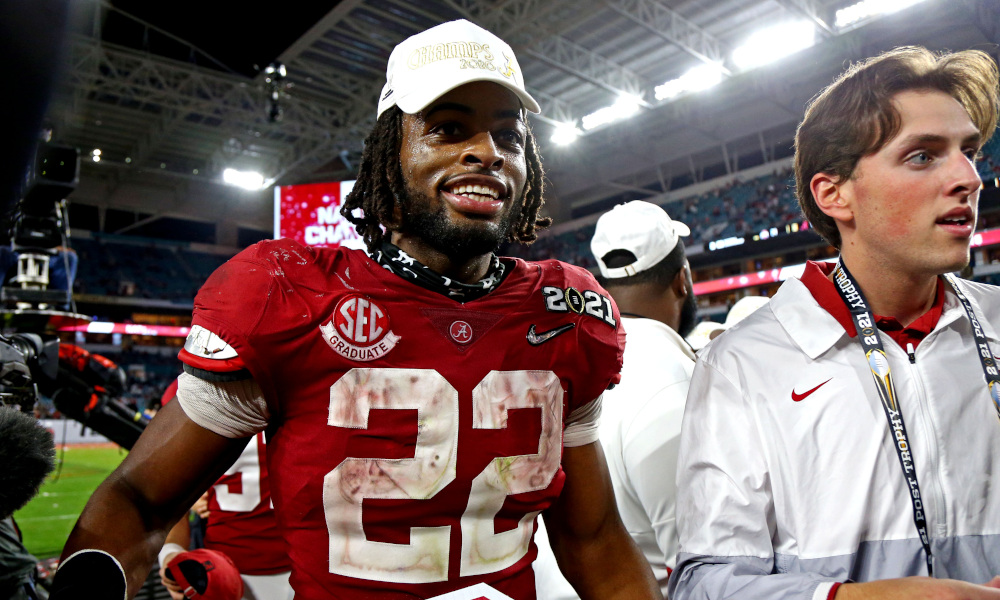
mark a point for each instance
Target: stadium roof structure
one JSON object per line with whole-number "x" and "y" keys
{"x": 168, "y": 123}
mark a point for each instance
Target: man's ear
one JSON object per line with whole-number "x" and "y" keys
{"x": 832, "y": 196}
{"x": 679, "y": 284}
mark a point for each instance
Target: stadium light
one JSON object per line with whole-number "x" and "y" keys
{"x": 248, "y": 180}
{"x": 623, "y": 108}
{"x": 699, "y": 78}
{"x": 768, "y": 45}
{"x": 866, "y": 9}
{"x": 565, "y": 133}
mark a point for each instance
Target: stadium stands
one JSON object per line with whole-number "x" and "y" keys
{"x": 733, "y": 209}
{"x": 146, "y": 271}
{"x": 142, "y": 268}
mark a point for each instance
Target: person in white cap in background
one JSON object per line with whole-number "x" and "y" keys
{"x": 643, "y": 265}
{"x": 706, "y": 331}
{"x": 703, "y": 333}
{"x": 422, "y": 402}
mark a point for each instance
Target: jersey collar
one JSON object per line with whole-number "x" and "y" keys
{"x": 814, "y": 277}
{"x": 392, "y": 258}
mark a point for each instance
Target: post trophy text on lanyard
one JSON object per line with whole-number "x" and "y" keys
{"x": 871, "y": 344}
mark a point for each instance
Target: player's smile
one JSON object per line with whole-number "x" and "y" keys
{"x": 475, "y": 194}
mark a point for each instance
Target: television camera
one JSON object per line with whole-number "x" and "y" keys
{"x": 36, "y": 300}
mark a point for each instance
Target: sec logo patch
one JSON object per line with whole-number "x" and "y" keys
{"x": 359, "y": 329}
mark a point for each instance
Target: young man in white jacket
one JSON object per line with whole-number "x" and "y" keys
{"x": 817, "y": 463}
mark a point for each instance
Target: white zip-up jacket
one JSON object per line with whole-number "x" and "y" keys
{"x": 788, "y": 480}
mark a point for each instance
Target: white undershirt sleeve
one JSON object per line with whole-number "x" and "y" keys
{"x": 582, "y": 424}
{"x": 232, "y": 409}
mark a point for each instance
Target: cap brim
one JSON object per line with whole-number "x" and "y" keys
{"x": 420, "y": 99}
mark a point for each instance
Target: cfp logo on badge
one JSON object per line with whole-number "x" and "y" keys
{"x": 359, "y": 329}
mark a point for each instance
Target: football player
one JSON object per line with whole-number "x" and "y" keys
{"x": 423, "y": 402}
{"x": 241, "y": 525}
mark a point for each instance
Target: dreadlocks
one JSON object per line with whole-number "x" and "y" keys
{"x": 380, "y": 183}
{"x": 380, "y": 179}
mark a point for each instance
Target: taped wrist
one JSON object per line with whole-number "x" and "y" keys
{"x": 167, "y": 550}
{"x": 582, "y": 424}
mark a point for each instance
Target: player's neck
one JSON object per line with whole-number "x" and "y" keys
{"x": 464, "y": 270}
{"x": 639, "y": 300}
{"x": 892, "y": 292}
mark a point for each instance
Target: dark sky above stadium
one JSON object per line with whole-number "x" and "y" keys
{"x": 240, "y": 35}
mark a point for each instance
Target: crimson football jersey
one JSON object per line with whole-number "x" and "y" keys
{"x": 242, "y": 523}
{"x": 415, "y": 437}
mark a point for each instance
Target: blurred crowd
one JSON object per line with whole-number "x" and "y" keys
{"x": 737, "y": 208}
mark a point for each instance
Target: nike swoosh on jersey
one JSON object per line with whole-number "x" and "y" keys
{"x": 536, "y": 339}
{"x": 802, "y": 396}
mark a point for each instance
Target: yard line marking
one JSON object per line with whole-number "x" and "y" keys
{"x": 46, "y": 518}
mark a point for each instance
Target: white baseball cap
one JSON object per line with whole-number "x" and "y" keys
{"x": 642, "y": 228}
{"x": 701, "y": 335}
{"x": 703, "y": 332}
{"x": 743, "y": 308}
{"x": 428, "y": 65}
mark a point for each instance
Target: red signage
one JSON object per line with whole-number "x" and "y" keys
{"x": 310, "y": 214}
{"x": 129, "y": 329}
{"x": 989, "y": 237}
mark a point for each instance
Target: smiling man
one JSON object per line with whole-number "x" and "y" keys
{"x": 842, "y": 441}
{"x": 423, "y": 402}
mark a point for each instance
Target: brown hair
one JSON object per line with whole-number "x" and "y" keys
{"x": 380, "y": 183}
{"x": 855, "y": 117}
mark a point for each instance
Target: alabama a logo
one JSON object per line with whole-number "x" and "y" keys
{"x": 359, "y": 329}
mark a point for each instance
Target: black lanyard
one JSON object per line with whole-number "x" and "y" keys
{"x": 982, "y": 346}
{"x": 864, "y": 322}
{"x": 871, "y": 343}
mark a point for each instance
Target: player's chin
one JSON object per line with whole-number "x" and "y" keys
{"x": 484, "y": 225}
{"x": 488, "y": 233}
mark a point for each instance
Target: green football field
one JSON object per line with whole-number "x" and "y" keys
{"x": 47, "y": 520}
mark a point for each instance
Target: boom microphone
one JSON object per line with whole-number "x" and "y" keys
{"x": 27, "y": 455}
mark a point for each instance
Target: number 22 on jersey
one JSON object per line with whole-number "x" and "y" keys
{"x": 427, "y": 556}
